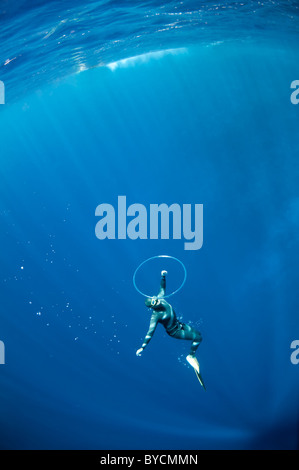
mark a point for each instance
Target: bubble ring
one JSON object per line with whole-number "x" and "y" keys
{"x": 155, "y": 257}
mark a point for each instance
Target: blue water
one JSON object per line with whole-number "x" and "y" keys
{"x": 199, "y": 114}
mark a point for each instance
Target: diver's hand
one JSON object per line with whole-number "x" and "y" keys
{"x": 138, "y": 353}
{"x": 163, "y": 273}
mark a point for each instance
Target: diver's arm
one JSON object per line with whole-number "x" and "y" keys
{"x": 162, "y": 284}
{"x": 149, "y": 334}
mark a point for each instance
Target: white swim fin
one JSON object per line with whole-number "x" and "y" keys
{"x": 195, "y": 364}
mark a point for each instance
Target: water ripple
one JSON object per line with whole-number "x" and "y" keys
{"x": 41, "y": 42}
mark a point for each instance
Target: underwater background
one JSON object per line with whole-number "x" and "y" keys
{"x": 164, "y": 102}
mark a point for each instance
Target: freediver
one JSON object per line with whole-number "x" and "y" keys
{"x": 163, "y": 313}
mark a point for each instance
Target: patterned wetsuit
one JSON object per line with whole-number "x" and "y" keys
{"x": 163, "y": 313}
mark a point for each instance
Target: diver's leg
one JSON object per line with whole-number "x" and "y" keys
{"x": 194, "y": 347}
{"x": 189, "y": 333}
{"x": 197, "y": 339}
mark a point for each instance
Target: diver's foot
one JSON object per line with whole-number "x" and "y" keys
{"x": 193, "y": 362}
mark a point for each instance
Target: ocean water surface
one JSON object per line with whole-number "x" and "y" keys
{"x": 162, "y": 102}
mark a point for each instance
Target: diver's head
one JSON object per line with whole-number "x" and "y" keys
{"x": 152, "y": 302}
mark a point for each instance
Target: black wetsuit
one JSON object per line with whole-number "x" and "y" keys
{"x": 163, "y": 313}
